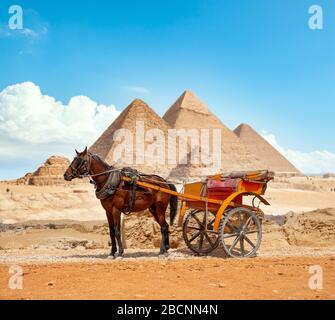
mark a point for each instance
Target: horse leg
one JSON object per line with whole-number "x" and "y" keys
{"x": 123, "y": 231}
{"x": 159, "y": 216}
{"x": 111, "y": 233}
{"x": 165, "y": 236}
{"x": 117, "y": 230}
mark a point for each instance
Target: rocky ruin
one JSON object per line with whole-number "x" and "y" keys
{"x": 50, "y": 173}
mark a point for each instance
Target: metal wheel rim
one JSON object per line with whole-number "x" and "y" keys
{"x": 240, "y": 236}
{"x": 207, "y": 234}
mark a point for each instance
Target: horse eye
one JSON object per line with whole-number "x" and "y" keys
{"x": 76, "y": 162}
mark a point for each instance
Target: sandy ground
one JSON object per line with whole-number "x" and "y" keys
{"x": 260, "y": 278}
{"x": 68, "y": 259}
{"x": 281, "y": 270}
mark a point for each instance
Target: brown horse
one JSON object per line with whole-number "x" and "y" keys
{"x": 86, "y": 164}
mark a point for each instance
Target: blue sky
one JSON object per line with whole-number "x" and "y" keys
{"x": 250, "y": 61}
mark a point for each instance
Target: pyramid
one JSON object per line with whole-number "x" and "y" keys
{"x": 50, "y": 173}
{"x": 137, "y": 112}
{"x": 273, "y": 159}
{"x": 189, "y": 112}
{"x": 189, "y": 172}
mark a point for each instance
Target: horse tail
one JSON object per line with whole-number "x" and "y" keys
{"x": 173, "y": 204}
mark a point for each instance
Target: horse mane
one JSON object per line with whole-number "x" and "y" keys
{"x": 98, "y": 158}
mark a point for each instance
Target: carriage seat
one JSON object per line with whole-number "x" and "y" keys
{"x": 228, "y": 186}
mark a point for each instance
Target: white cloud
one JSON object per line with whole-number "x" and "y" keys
{"x": 314, "y": 162}
{"x": 29, "y": 32}
{"x": 137, "y": 89}
{"x": 33, "y": 125}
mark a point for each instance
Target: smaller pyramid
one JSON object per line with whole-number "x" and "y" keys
{"x": 256, "y": 144}
{"x": 50, "y": 173}
{"x": 189, "y": 112}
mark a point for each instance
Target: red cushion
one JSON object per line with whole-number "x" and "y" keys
{"x": 227, "y": 186}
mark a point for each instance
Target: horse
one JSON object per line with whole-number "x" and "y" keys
{"x": 86, "y": 164}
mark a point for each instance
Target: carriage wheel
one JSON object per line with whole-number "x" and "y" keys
{"x": 198, "y": 232}
{"x": 240, "y": 232}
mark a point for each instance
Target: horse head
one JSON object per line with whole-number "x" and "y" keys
{"x": 79, "y": 167}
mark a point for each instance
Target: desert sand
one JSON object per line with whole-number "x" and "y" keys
{"x": 268, "y": 278}
{"x": 59, "y": 236}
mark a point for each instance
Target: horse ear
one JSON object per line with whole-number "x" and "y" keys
{"x": 85, "y": 151}
{"x": 77, "y": 152}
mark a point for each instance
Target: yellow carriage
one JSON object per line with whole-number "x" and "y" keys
{"x": 213, "y": 211}
{"x": 217, "y": 213}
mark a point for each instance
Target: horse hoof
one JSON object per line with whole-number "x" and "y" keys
{"x": 111, "y": 257}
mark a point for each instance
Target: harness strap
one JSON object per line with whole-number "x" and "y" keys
{"x": 134, "y": 176}
{"x": 113, "y": 181}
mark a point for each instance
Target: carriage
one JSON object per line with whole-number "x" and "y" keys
{"x": 213, "y": 211}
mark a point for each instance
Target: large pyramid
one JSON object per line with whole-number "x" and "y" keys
{"x": 187, "y": 171}
{"x": 137, "y": 119}
{"x": 188, "y": 112}
{"x": 273, "y": 159}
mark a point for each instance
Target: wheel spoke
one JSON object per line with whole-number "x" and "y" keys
{"x": 198, "y": 221}
{"x": 242, "y": 246}
{"x": 249, "y": 241}
{"x": 229, "y": 235}
{"x": 195, "y": 236}
{"x": 193, "y": 228}
{"x": 209, "y": 239}
{"x": 251, "y": 232}
{"x": 239, "y": 220}
{"x": 247, "y": 223}
{"x": 204, "y": 219}
{"x": 232, "y": 226}
{"x": 234, "y": 243}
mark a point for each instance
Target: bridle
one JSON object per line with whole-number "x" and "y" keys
{"x": 85, "y": 163}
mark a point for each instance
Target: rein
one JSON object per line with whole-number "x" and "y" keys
{"x": 87, "y": 174}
